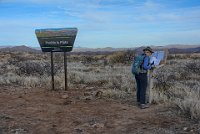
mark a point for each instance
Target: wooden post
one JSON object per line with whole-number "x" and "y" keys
{"x": 149, "y": 86}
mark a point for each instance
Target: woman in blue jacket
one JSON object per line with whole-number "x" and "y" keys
{"x": 141, "y": 78}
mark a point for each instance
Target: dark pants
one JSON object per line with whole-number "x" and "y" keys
{"x": 141, "y": 80}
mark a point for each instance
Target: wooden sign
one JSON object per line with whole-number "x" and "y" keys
{"x": 56, "y": 39}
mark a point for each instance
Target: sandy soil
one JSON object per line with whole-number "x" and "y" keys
{"x": 40, "y": 111}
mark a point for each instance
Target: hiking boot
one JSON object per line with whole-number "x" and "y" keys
{"x": 143, "y": 106}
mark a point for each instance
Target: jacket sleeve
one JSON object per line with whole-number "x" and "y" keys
{"x": 146, "y": 64}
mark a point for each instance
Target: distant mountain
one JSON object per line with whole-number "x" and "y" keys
{"x": 8, "y": 46}
{"x": 181, "y": 46}
{"x": 22, "y": 48}
{"x": 174, "y": 48}
{"x": 186, "y": 50}
{"x": 107, "y": 50}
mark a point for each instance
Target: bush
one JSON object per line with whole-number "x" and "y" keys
{"x": 124, "y": 57}
{"x": 179, "y": 84}
{"x": 193, "y": 67}
{"x": 37, "y": 68}
{"x": 33, "y": 68}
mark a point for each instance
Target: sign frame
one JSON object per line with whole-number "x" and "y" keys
{"x": 57, "y": 40}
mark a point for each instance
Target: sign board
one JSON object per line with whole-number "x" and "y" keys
{"x": 56, "y": 39}
{"x": 160, "y": 56}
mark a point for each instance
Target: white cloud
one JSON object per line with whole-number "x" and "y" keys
{"x": 152, "y": 12}
{"x": 149, "y": 5}
{"x": 112, "y": 21}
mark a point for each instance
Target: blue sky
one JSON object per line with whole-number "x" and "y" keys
{"x": 103, "y": 23}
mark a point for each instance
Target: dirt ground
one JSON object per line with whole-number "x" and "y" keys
{"x": 41, "y": 111}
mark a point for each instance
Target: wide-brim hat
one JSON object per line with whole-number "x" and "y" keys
{"x": 148, "y": 49}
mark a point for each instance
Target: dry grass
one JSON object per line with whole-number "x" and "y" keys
{"x": 36, "y": 73}
{"x": 177, "y": 82}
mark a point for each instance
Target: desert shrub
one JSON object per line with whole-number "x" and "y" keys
{"x": 118, "y": 57}
{"x": 190, "y": 105}
{"x": 37, "y": 68}
{"x": 6, "y": 68}
{"x": 193, "y": 67}
{"x": 124, "y": 57}
{"x": 33, "y": 68}
{"x": 195, "y": 56}
{"x": 170, "y": 56}
{"x": 88, "y": 59}
{"x": 117, "y": 78}
{"x": 30, "y": 81}
{"x": 179, "y": 85}
{"x": 114, "y": 94}
{"x": 9, "y": 79}
{"x": 18, "y": 56}
{"x": 172, "y": 62}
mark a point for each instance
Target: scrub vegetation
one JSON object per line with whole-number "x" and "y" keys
{"x": 176, "y": 84}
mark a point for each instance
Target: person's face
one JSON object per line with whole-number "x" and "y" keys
{"x": 148, "y": 53}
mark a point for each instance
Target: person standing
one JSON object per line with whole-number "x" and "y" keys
{"x": 142, "y": 78}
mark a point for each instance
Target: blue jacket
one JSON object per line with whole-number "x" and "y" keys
{"x": 146, "y": 64}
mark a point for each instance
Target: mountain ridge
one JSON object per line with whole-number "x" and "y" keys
{"x": 171, "y": 49}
